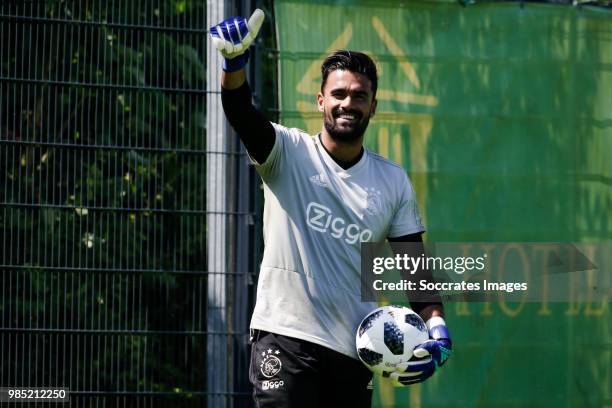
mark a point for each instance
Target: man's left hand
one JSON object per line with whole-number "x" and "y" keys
{"x": 428, "y": 356}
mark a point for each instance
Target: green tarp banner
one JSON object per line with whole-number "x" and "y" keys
{"x": 502, "y": 117}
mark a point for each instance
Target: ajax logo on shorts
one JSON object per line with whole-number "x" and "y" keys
{"x": 320, "y": 218}
{"x": 270, "y": 364}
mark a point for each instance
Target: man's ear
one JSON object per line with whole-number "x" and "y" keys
{"x": 373, "y": 108}
{"x": 320, "y": 102}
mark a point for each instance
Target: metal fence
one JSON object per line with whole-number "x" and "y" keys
{"x": 103, "y": 217}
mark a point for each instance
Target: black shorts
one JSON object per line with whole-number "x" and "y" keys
{"x": 292, "y": 373}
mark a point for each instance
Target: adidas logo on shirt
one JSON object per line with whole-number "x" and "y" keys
{"x": 319, "y": 180}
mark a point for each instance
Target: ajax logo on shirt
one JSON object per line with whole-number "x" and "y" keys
{"x": 374, "y": 201}
{"x": 321, "y": 219}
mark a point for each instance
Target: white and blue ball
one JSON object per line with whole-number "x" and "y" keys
{"x": 387, "y": 336}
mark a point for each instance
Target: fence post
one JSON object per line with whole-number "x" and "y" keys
{"x": 216, "y": 220}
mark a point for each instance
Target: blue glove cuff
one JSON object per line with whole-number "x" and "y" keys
{"x": 237, "y": 63}
{"x": 440, "y": 332}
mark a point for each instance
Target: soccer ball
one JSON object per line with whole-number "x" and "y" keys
{"x": 387, "y": 336}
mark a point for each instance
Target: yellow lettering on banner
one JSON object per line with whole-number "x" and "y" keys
{"x": 589, "y": 310}
{"x": 461, "y": 309}
{"x": 487, "y": 309}
{"x": 545, "y": 250}
{"x": 502, "y": 301}
{"x": 508, "y": 311}
{"x": 573, "y": 303}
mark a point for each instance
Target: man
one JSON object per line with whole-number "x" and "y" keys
{"x": 324, "y": 195}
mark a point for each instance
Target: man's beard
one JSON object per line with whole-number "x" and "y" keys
{"x": 346, "y": 134}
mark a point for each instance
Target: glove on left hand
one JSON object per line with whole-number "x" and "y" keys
{"x": 428, "y": 356}
{"x": 233, "y": 36}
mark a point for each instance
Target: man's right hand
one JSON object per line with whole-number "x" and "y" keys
{"x": 233, "y": 36}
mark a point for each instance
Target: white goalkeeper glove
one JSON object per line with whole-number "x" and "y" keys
{"x": 233, "y": 36}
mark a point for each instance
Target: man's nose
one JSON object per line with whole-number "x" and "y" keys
{"x": 346, "y": 102}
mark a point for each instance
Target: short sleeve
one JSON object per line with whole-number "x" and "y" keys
{"x": 286, "y": 139}
{"x": 407, "y": 219}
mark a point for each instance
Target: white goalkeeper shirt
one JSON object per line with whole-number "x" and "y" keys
{"x": 316, "y": 214}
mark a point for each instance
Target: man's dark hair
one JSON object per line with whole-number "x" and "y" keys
{"x": 353, "y": 61}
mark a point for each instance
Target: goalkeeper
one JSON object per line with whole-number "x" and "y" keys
{"x": 324, "y": 195}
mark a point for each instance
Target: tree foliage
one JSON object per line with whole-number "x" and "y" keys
{"x": 102, "y": 135}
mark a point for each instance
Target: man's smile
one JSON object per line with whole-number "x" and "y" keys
{"x": 349, "y": 117}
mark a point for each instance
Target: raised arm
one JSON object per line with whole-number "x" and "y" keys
{"x": 232, "y": 37}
